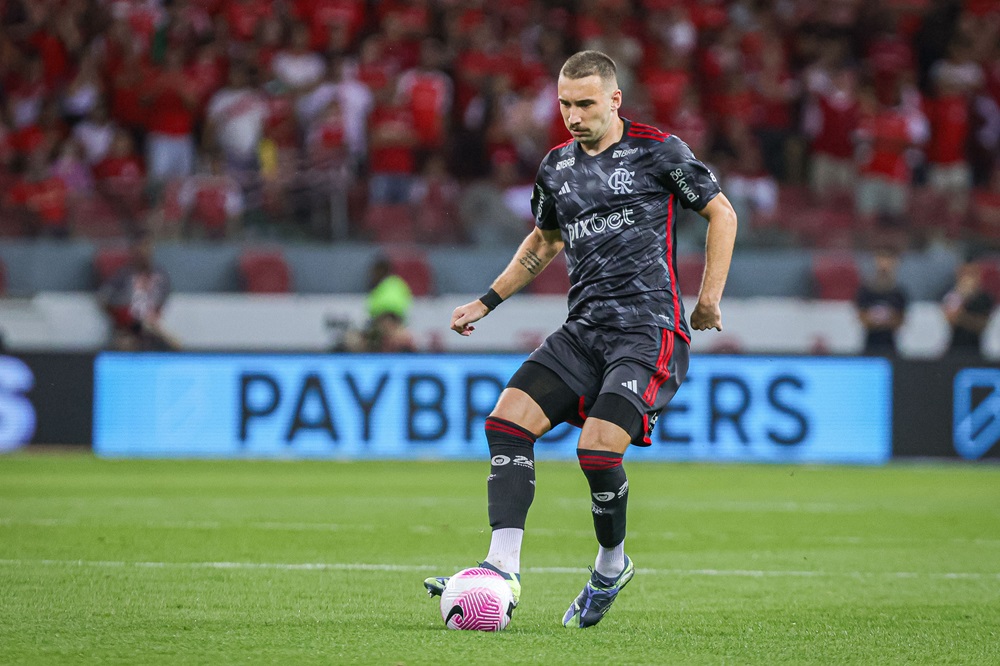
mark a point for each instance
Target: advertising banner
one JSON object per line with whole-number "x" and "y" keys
{"x": 45, "y": 399}
{"x": 947, "y": 408}
{"x": 745, "y": 408}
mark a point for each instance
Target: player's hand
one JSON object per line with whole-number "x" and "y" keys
{"x": 464, "y": 316}
{"x": 706, "y": 316}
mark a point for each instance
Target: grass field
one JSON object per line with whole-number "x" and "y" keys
{"x": 135, "y": 562}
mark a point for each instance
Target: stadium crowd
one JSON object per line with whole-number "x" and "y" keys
{"x": 830, "y": 122}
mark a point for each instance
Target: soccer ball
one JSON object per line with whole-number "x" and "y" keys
{"x": 478, "y": 600}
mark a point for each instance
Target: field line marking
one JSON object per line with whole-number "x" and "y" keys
{"x": 416, "y": 568}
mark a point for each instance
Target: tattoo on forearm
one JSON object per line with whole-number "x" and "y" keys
{"x": 531, "y": 262}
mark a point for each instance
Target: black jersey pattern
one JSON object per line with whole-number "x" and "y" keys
{"x": 616, "y": 213}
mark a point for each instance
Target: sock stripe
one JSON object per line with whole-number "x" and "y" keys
{"x": 509, "y": 428}
{"x": 591, "y": 460}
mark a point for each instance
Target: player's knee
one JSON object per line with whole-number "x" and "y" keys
{"x": 516, "y": 406}
{"x": 613, "y": 423}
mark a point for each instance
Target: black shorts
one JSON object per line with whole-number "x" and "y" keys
{"x": 645, "y": 366}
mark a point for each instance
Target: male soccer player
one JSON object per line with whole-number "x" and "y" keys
{"x": 608, "y": 198}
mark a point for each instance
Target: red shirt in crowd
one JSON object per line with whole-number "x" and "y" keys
{"x": 949, "y": 120}
{"x": 428, "y": 96}
{"x": 665, "y": 88}
{"x": 242, "y": 16}
{"x": 394, "y": 153}
{"x": 837, "y": 119}
{"x": 46, "y": 198}
{"x": 889, "y": 134}
{"x": 168, "y": 110}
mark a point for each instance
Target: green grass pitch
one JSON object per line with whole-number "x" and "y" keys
{"x": 178, "y": 562}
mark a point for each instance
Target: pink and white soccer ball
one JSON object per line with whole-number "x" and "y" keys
{"x": 478, "y": 600}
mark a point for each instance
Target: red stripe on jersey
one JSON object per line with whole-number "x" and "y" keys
{"x": 649, "y": 129}
{"x": 561, "y": 145}
{"x": 662, "y": 373}
{"x": 670, "y": 268}
{"x": 635, "y": 135}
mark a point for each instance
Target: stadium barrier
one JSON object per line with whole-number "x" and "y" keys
{"x": 46, "y": 399}
{"x": 946, "y": 409}
{"x": 769, "y": 409}
{"x": 752, "y": 408}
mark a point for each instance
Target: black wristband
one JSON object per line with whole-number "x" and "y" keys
{"x": 491, "y": 300}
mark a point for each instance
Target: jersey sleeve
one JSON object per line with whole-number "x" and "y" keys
{"x": 543, "y": 206}
{"x": 685, "y": 176}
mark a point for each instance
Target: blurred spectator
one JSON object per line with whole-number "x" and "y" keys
{"x": 388, "y": 303}
{"x": 881, "y": 304}
{"x": 70, "y": 167}
{"x": 355, "y": 102}
{"x": 95, "y": 134}
{"x": 487, "y": 215}
{"x": 298, "y": 68}
{"x": 134, "y": 298}
{"x": 776, "y": 92}
{"x": 435, "y": 197}
{"x": 885, "y": 135}
{"x": 211, "y": 202}
{"x": 171, "y": 102}
{"x": 392, "y": 138}
{"x": 831, "y": 120}
{"x": 986, "y": 210}
{"x": 120, "y": 176}
{"x": 38, "y": 198}
{"x": 427, "y": 92}
{"x": 234, "y": 122}
{"x": 967, "y": 307}
{"x": 751, "y": 189}
{"x": 948, "y": 115}
{"x": 85, "y": 91}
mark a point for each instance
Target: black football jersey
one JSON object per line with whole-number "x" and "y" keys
{"x": 616, "y": 212}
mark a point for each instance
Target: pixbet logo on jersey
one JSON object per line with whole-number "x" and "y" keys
{"x": 596, "y": 224}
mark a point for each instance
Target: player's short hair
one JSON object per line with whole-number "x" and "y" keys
{"x": 590, "y": 63}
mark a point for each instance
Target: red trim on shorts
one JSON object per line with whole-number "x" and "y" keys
{"x": 583, "y": 417}
{"x": 645, "y": 430}
{"x": 662, "y": 373}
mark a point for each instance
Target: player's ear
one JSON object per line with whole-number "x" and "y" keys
{"x": 616, "y": 100}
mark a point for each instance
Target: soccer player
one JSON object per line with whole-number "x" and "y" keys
{"x": 608, "y": 197}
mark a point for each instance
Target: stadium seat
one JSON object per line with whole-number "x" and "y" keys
{"x": 389, "y": 223}
{"x": 835, "y": 276}
{"x": 553, "y": 280}
{"x": 109, "y": 260}
{"x": 94, "y": 217}
{"x": 264, "y": 272}
{"x": 413, "y": 267}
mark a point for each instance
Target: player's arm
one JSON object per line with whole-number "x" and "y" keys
{"x": 718, "y": 255}
{"x": 535, "y": 253}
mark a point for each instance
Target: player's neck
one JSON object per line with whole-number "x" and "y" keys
{"x": 611, "y": 137}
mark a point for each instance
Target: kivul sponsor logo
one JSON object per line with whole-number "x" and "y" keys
{"x": 500, "y": 461}
{"x": 678, "y": 176}
{"x": 604, "y": 497}
{"x": 598, "y": 224}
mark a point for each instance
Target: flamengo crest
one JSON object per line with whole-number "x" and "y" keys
{"x": 621, "y": 181}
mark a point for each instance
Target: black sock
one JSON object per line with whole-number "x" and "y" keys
{"x": 608, "y": 492}
{"x": 511, "y": 484}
